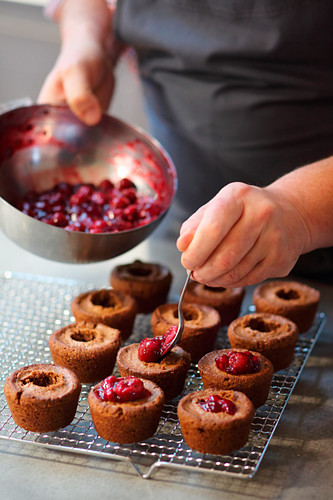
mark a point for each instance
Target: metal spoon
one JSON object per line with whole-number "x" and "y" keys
{"x": 167, "y": 348}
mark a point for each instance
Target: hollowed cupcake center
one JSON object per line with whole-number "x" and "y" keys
{"x": 139, "y": 271}
{"x": 83, "y": 335}
{"x": 103, "y": 299}
{"x": 41, "y": 379}
{"x": 288, "y": 294}
{"x": 261, "y": 326}
{"x": 217, "y": 289}
{"x": 188, "y": 315}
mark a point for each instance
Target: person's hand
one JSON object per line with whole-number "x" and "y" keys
{"x": 243, "y": 236}
{"x": 83, "y": 75}
{"x": 82, "y": 78}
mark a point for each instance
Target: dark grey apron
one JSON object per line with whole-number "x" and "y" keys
{"x": 234, "y": 89}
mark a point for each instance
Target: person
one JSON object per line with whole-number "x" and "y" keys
{"x": 240, "y": 93}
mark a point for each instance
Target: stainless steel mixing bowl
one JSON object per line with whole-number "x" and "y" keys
{"x": 42, "y": 145}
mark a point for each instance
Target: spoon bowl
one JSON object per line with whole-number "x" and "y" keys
{"x": 174, "y": 339}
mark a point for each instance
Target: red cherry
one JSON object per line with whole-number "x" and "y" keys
{"x": 82, "y": 195}
{"x": 228, "y": 406}
{"x": 120, "y": 202}
{"x": 75, "y": 226}
{"x": 126, "y": 183}
{"x": 106, "y": 391}
{"x": 42, "y": 205}
{"x": 168, "y": 337}
{"x": 150, "y": 349}
{"x": 99, "y": 226}
{"x": 123, "y": 225}
{"x": 238, "y": 363}
{"x": 56, "y": 198}
{"x": 106, "y": 185}
{"x": 222, "y": 362}
{"x": 87, "y": 204}
{"x": 215, "y": 404}
{"x": 65, "y": 188}
{"x": 99, "y": 197}
{"x": 129, "y": 389}
{"x": 58, "y": 219}
{"x": 131, "y": 213}
{"x": 130, "y": 193}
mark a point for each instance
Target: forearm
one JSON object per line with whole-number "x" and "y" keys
{"x": 93, "y": 16}
{"x": 310, "y": 190}
{"x": 88, "y": 18}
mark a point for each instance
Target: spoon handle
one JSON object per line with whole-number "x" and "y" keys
{"x": 170, "y": 344}
{"x": 180, "y": 310}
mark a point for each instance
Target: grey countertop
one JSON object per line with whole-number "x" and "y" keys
{"x": 297, "y": 464}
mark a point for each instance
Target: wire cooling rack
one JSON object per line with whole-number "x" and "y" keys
{"x": 32, "y": 307}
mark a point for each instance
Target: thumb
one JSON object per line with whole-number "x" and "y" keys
{"x": 80, "y": 97}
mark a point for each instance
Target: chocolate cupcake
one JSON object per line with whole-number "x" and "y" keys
{"x": 126, "y": 410}
{"x": 273, "y": 336}
{"x": 88, "y": 349}
{"x": 169, "y": 373}
{"x": 227, "y": 301}
{"x": 110, "y": 307}
{"x": 215, "y": 421}
{"x": 147, "y": 283}
{"x": 239, "y": 370}
{"x": 295, "y": 301}
{"x": 42, "y": 397}
{"x": 202, "y": 324}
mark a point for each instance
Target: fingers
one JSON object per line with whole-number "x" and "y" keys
{"x": 52, "y": 91}
{"x": 242, "y": 236}
{"x": 73, "y": 87}
{"x": 188, "y": 229}
{"x": 79, "y": 95}
{"x": 216, "y": 220}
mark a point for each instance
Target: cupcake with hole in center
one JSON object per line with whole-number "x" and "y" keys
{"x": 227, "y": 301}
{"x": 148, "y": 283}
{"x": 273, "y": 336}
{"x": 42, "y": 397}
{"x": 88, "y": 349}
{"x": 295, "y": 301}
{"x": 110, "y": 307}
{"x": 202, "y": 324}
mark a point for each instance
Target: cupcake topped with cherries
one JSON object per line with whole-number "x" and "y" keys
{"x": 238, "y": 369}
{"x": 215, "y": 421}
{"x": 126, "y": 409}
{"x": 149, "y": 360}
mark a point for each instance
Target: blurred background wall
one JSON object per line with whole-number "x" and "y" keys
{"x": 29, "y": 45}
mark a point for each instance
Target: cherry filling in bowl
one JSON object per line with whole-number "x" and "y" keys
{"x": 121, "y": 389}
{"x": 104, "y": 208}
{"x": 215, "y": 404}
{"x": 238, "y": 363}
{"x": 151, "y": 350}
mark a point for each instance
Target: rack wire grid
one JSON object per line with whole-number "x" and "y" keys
{"x": 32, "y": 307}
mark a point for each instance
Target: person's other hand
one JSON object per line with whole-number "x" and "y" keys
{"x": 243, "y": 236}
